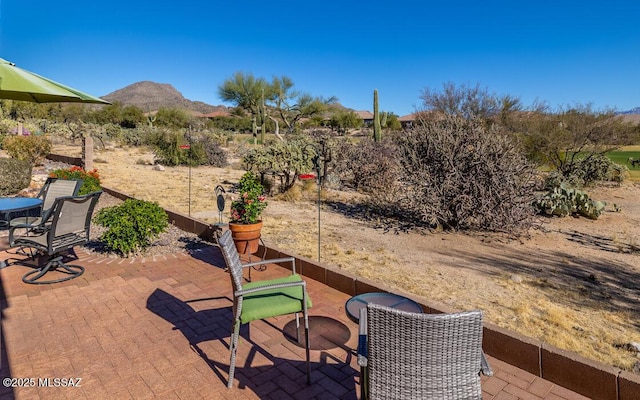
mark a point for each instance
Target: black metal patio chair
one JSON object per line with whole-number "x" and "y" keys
{"x": 66, "y": 226}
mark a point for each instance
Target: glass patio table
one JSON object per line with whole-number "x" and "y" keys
{"x": 10, "y": 205}
{"x": 354, "y": 304}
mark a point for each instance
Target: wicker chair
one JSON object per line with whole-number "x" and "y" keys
{"x": 406, "y": 355}
{"x": 66, "y": 226}
{"x": 51, "y": 190}
{"x": 263, "y": 299}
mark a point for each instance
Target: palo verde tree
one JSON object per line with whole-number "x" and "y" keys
{"x": 246, "y": 92}
{"x": 292, "y": 105}
{"x": 277, "y": 101}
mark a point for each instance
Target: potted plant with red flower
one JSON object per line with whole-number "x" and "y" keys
{"x": 245, "y": 223}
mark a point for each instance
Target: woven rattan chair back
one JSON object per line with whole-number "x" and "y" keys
{"x": 423, "y": 356}
{"x": 231, "y": 258}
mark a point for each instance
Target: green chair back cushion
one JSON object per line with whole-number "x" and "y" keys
{"x": 272, "y": 302}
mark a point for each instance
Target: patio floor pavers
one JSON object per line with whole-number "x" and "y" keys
{"x": 159, "y": 327}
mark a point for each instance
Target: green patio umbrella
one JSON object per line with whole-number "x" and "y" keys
{"x": 19, "y": 84}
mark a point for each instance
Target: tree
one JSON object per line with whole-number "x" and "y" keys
{"x": 172, "y": 118}
{"x": 344, "y": 120}
{"x": 292, "y": 105}
{"x": 470, "y": 102}
{"x": 568, "y": 137}
{"x": 245, "y": 91}
{"x": 132, "y": 117}
{"x": 393, "y": 123}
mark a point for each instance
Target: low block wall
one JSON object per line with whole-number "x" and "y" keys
{"x": 65, "y": 159}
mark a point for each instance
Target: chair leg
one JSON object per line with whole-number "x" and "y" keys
{"x": 297, "y": 327}
{"x": 55, "y": 264}
{"x": 234, "y": 346}
{"x": 306, "y": 339}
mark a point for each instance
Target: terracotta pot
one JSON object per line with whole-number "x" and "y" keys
{"x": 246, "y": 236}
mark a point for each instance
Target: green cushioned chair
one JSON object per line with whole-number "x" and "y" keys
{"x": 263, "y": 299}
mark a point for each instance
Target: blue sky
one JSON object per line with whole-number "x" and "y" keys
{"x": 560, "y": 52}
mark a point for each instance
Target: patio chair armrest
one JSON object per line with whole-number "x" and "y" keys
{"x": 484, "y": 366}
{"x": 261, "y": 288}
{"x": 363, "y": 351}
{"x": 272, "y": 261}
{"x": 39, "y": 228}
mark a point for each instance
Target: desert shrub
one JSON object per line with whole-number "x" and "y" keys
{"x": 7, "y": 126}
{"x": 458, "y": 173}
{"x": 215, "y": 154}
{"x": 367, "y": 165}
{"x": 139, "y": 136}
{"x": 132, "y": 225}
{"x": 30, "y": 148}
{"x": 590, "y": 169}
{"x": 617, "y": 173}
{"x": 167, "y": 149}
{"x": 91, "y": 179}
{"x": 15, "y": 175}
{"x": 282, "y": 159}
{"x": 564, "y": 200}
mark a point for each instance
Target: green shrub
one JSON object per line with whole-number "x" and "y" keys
{"x": 30, "y": 148}
{"x": 91, "y": 178}
{"x": 15, "y": 175}
{"x": 132, "y": 225}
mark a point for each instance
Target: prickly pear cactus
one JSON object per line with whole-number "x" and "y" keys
{"x": 563, "y": 201}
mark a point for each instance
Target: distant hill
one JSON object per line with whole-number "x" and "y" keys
{"x": 150, "y": 96}
{"x": 635, "y": 110}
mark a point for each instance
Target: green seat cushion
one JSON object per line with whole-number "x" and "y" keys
{"x": 272, "y": 302}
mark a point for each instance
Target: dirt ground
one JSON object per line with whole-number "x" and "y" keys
{"x": 574, "y": 283}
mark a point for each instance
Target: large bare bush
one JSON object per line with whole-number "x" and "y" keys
{"x": 458, "y": 174}
{"x": 367, "y": 166}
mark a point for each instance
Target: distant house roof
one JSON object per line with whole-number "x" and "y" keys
{"x": 407, "y": 118}
{"x": 221, "y": 113}
{"x": 196, "y": 114}
{"x": 364, "y": 115}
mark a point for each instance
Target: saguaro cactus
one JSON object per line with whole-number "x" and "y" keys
{"x": 377, "y": 128}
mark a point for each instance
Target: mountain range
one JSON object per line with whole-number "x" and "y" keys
{"x": 150, "y": 96}
{"x": 635, "y": 110}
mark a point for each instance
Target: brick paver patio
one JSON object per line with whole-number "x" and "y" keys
{"x": 159, "y": 328}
